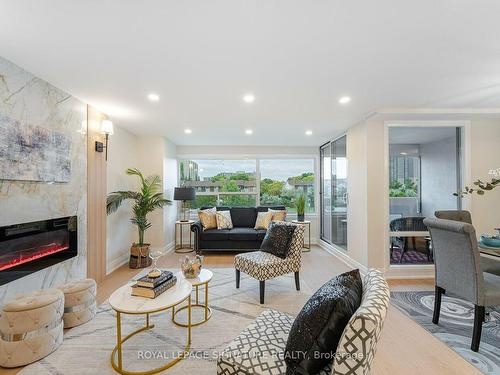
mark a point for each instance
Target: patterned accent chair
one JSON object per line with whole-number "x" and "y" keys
{"x": 264, "y": 266}
{"x": 260, "y": 348}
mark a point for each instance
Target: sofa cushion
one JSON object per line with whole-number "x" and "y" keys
{"x": 207, "y": 218}
{"x": 224, "y": 220}
{"x": 277, "y": 239}
{"x": 243, "y": 216}
{"x": 318, "y": 328}
{"x": 263, "y": 220}
{"x": 243, "y": 234}
{"x": 215, "y": 235}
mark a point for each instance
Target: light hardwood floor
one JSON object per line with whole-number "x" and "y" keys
{"x": 405, "y": 347}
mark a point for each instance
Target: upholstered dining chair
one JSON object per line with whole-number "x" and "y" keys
{"x": 459, "y": 271}
{"x": 487, "y": 264}
{"x": 455, "y": 215}
{"x": 264, "y": 266}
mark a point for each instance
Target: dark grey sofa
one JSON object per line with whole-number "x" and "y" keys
{"x": 243, "y": 236}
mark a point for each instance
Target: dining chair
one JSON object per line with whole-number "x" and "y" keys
{"x": 456, "y": 215}
{"x": 459, "y": 271}
{"x": 487, "y": 264}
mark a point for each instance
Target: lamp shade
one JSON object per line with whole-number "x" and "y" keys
{"x": 184, "y": 194}
{"x": 107, "y": 127}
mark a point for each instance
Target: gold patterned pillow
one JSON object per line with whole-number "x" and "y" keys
{"x": 263, "y": 220}
{"x": 208, "y": 218}
{"x": 278, "y": 215}
{"x": 224, "y": 220}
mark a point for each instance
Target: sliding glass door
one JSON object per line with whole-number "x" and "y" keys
{"x": 334, "y": 202}
{"x": 326, "y": 192}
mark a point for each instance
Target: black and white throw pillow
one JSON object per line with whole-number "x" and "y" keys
{"x": 317, "y": 330}
{"x": 277, "y": 239}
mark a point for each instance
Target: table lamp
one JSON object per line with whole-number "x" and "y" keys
{"x": 184, "y": 194}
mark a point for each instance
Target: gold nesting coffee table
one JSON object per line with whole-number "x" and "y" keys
{"x": 124, "y": 303}
{"x": 202, "y": 280}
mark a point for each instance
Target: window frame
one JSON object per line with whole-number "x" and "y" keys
{"x": 257, "y": 158}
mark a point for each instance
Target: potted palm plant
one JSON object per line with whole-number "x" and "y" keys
{"x": 300, "y": 204}
{"x": 146, "y": 200}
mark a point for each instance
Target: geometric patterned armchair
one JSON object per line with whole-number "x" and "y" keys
{"x": 259, "y": 349}
{"x": 264, "y": 266}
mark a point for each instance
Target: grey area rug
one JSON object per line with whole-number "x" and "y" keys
{"x": 455, "y": 326}
{"x": 86, "y": 349}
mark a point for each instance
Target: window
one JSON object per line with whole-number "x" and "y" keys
{"x": 220, "y": 182}
{"x": 281, "y": 180}
{"x": 235, "y": 183}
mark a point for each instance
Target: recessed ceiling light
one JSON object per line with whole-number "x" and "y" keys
{"x": 249, "y": 131}
{"x": 309, "y": 132}
{"x": 249, "y": 98}
{"x": 344, "y": 100}
{"x": 403, "y": 153}
{"x": 153, "y": 97}
{"x": 188, "y": 131}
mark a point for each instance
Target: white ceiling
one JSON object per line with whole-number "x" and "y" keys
{"x": 297, "y": 57}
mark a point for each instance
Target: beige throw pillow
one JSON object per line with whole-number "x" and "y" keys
{"x": 278, "y": 215}
{"x": 263, "y": 220}
{"x": 208, "y": 218}
{"x": 224, "y": 220}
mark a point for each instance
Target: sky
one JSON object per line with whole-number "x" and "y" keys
{"x": 276, "y": 169}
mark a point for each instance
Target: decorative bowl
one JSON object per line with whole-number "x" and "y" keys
{"x": 489, "y": 240}
{"x": 191, "y": 267}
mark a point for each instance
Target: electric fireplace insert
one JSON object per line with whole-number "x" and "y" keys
{"x": 29, "y": 247}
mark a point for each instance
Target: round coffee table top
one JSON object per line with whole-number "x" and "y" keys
{"x": 123, "y": 301}
{"x": 204, "y": 277}
{"x": 301, "y": 222}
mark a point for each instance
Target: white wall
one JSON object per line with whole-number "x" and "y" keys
{"x": 169, "y": 183}
{"x": 152, "y": 155}
{"x": 120, "y": 233}
{"x": 485, "y": 147}
{"x": 357, "y": 187}
{"x": 438, "y": 175}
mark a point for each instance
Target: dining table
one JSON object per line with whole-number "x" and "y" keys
{"x": 490, "y": 258}
{"x": 489, "y": 250}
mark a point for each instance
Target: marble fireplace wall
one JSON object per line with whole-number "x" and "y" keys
{"x": 32, "y": 101}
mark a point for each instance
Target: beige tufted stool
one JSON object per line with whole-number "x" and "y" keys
{"x": 79, "y": 302}
{"x": 31, "y": 327}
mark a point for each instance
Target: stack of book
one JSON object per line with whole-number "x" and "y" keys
{"x": 152, "y": 287}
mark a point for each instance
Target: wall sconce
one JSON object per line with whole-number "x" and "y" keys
{"x": 106, "y": 129}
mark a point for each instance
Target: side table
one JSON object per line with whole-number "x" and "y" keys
{"x": 202, "y": 280}
{"x": 308, "y": 224}
{"x": 179, "y": 225}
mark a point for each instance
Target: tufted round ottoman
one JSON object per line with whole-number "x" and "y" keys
{"x": 31, "y": 327}
{"x": 79, "y": 302}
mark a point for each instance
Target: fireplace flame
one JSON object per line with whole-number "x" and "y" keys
{"x": 43, "y": 251}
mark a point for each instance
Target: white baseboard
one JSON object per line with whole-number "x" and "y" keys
{"x": 170, "y": 247}
{"x": 116, "y": 263}
{"x": 341, "y": 255}
{"x": 120, "y": 261}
